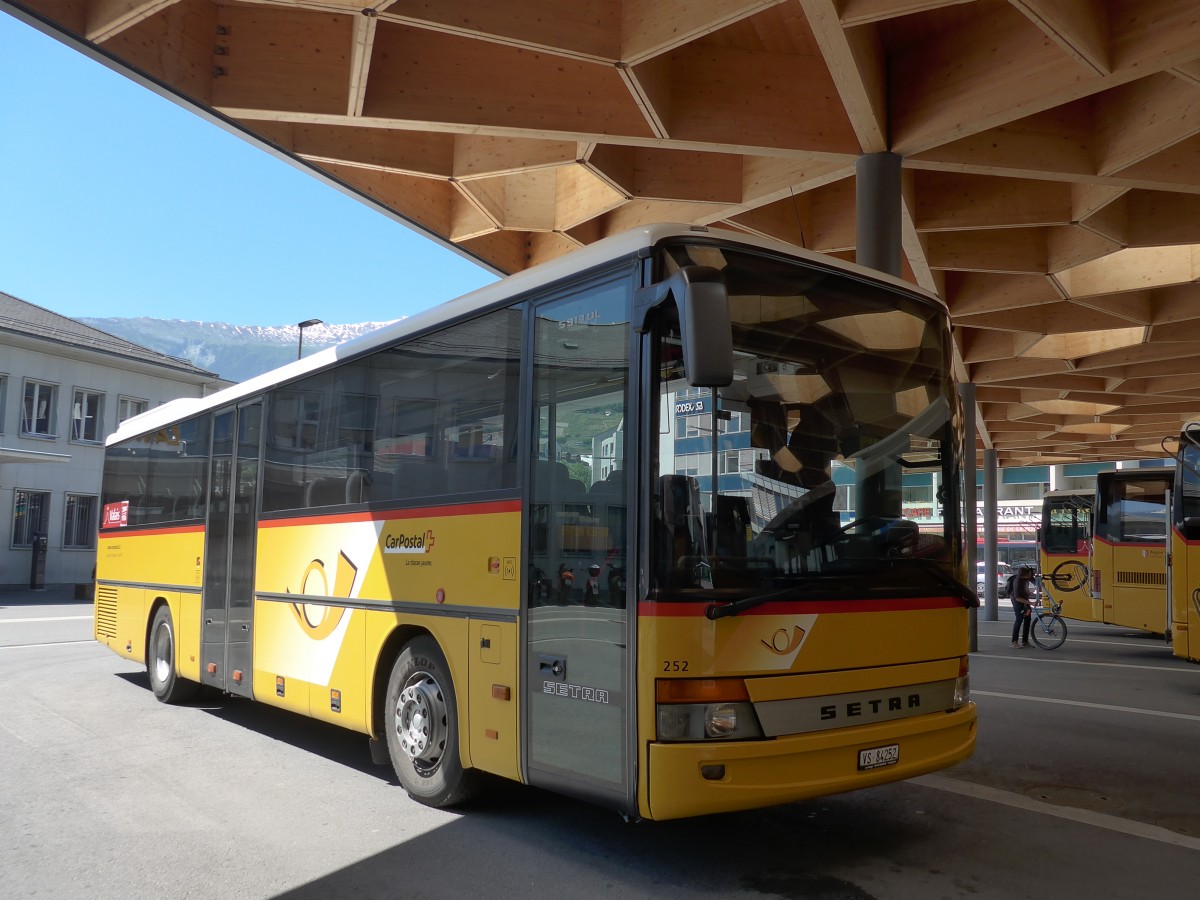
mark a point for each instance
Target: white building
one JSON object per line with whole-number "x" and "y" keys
{"x": 64, "y": 386}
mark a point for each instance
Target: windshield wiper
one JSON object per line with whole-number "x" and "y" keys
{"x": 721, "y": 610}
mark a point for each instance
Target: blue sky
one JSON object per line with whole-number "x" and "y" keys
{"x": 114, "y": 201}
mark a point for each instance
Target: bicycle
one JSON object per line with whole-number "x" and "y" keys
{"x": 1047, "y": 629}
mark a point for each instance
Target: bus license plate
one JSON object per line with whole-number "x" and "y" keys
{"x": 879, "y": 756}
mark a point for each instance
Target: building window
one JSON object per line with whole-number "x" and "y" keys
{"x": 79, "y": 526}
{"x": 87, "y": 413}
{"x": 3, "y": 396}
{"x": 37, "y": 417}
{"x": 29, "y": 516}
{"x": 127, "y": 408}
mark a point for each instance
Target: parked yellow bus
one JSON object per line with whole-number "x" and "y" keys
{"x": 576, "y": 529}
{"x": 1129, "y": 549}
{"x": 1185, "y": 547}
{"x": 1064, "y": 551}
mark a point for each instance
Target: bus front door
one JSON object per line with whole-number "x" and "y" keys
{"x": 228, "y": 616}
{"x": 578, "y": 627}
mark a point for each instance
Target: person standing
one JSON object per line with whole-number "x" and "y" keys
{"x": 1022, "y": 605}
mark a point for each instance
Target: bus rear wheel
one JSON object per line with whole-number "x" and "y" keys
{"x": 160, "y": 661}
{"x": 421, "y": 719}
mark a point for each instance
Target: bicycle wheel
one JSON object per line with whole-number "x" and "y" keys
{"x": 1048, "y": 632}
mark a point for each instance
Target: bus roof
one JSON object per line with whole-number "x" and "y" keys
{"x": 619, "y": 246}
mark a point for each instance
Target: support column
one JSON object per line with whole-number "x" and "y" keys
{"x": 967, "y": 393}
{"x": 991, "y": 611}
{"x": 877, "y": 211}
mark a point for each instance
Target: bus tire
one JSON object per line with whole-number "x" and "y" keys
{"x": 421, "y": 721}
{"x": 166, "y": 683}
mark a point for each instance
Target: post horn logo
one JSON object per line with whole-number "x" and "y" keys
{"x": 317, "y": 619}
{"x": 782, "y": 645}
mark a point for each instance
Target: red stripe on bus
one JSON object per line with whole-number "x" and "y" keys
{"x": 796, "y": 607}
{"x": 465, "y": 509}
{"x": 1146, "y": 545}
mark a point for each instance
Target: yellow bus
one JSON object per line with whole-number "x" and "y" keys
{"x": 1185, "y": 547}
{"x": 1064, "y": 551}
{"x": 1129, "y": 549}
{"x": 577, "y": 529}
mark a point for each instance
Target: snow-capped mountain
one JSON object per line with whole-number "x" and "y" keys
{"x": 235, "y": 352}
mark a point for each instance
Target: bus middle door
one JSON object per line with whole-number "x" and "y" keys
{"x": 228, "y": 616}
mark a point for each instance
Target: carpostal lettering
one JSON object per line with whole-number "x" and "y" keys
{"x": 408, "y": 543}
{"x": 870, "y": 707}
{"x": 575, "y": 691}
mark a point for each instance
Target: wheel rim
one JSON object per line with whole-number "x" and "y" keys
{"x": 163, "y": 653}
{"x": 421, "y": 721}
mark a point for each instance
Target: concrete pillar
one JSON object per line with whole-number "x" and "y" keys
{"x": 877, "y": 211}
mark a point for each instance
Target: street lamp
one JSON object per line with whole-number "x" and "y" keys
{"x": 307, "y": 323}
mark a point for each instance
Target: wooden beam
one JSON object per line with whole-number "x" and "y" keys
{"x": 584, "y": 30}
{"x": 108, "y": 18}
{"x": 860, "y": 12}
{"x": 1069, "y": 246}
{"x": 984, "y": 71}
{"x": 948, "y": 201}
{"x": 1015, "y": 250}
{"x": 360, "y": 62}
{"x": 1080, "y": 27}
{"x": 672, "y": 174}
{"x": 412, "y": 153}
{"x": 975, "y": 293}
{"x": 652, "y": 29}
{"x": 1136, "y": 268}
{"x": 427, "y": 76}
{"x": 855, "y": 58}
{"x": 1137, "y": 120}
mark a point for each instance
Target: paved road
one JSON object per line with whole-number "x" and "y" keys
{"x": 1085, "y": 783}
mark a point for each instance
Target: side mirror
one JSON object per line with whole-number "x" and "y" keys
{"x": 703, "y": 303}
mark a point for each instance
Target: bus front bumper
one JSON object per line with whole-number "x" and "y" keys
{"x": 800, "y": 767}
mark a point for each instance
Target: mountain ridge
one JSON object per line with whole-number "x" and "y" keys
{"x": 234, "y": 352}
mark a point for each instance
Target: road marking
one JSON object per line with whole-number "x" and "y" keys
{"x": 46, "y": 644}
{"x": 46, "y": 619}
{"x": 1160, "y": 644}
{"x": 1083, "y": 816}
{"x": 1028, "y": 655}
{"x": 1125, "y": 709}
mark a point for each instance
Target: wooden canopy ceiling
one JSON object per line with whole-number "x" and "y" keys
{"x": 1051, "y": 153}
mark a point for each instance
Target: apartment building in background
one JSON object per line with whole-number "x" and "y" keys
{"x": 64, "y": 387}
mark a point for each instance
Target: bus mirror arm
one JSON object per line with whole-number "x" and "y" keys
{"x": 705, "y": 328}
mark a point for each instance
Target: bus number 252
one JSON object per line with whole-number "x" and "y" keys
{"x": 675, "y": 665}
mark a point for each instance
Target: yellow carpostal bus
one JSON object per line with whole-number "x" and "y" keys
{"x": 1185, "y": 547}
{"x": 1064, "y": 551}
{"x": 579, "y": 529}
{"x": 1129, "y": 549}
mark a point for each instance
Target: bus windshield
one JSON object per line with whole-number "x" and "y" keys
{"x": 840, "y": 410}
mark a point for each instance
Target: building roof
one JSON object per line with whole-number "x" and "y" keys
{"x": 20, "y": 317}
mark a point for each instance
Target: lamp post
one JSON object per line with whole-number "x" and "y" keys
{"x": 307, "y": 323}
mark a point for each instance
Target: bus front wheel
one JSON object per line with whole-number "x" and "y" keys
{"x": 160, "y": 661}
{"x": 421, "y": 719}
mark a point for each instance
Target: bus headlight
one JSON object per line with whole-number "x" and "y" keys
{"x": 962, "y": 684}
{"x": 705, "y": 709}
{"x": 707, "y": 721}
